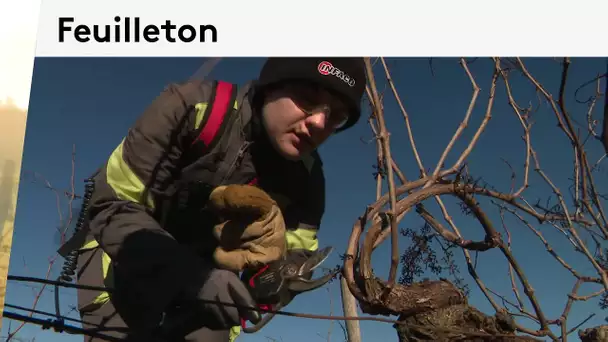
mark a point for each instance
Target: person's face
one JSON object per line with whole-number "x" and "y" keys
{"x": 299, "y": 117}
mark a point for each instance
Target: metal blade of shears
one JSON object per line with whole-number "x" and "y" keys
{"x": 315, "y": 260}
{"x": 305, "y": 285}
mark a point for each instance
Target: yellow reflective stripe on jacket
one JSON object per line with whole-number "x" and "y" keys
{"x": 123, "y": 180}
{"x": 235, "y": 331}
{"x": 302, "y": 239}
{"x": 128, "y": 187}
{"x": 200, "y": 112}
{"x": 103, "y": 297}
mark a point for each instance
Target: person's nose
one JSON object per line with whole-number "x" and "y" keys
{"x": 317, "y": 121}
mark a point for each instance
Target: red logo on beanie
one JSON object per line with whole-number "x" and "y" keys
{"x": 325, "y": 68}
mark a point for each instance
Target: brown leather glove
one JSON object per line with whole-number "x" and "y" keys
{"x": 252, "y": 228}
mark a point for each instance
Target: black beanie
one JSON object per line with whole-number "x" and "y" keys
{"x": 344, "y": 76}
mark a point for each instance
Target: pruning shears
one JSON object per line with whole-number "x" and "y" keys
{"x": 279, "y": 286}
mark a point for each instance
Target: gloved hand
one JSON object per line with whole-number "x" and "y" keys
{"x": 218, "y": 297}
{"x": 267, "y": 285}
{"x": 226, "y": 287}
{"x": 252, "y": 228}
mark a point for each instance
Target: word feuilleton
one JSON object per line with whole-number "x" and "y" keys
{"x": 131, "y": 30}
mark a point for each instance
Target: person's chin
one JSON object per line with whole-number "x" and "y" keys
{"x": 290, "y": 152}
{"x": 289, "y": 147}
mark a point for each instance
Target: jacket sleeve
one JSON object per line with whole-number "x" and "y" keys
{"x": 126, "y": 196}
{"x": 304, "y": 218}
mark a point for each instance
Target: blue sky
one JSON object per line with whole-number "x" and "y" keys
{"x": 91, "y": 102}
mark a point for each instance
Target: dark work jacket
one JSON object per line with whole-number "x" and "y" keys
{"x": 147, "y": 209}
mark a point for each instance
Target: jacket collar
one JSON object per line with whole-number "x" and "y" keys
{"x": 253, "y": 129}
